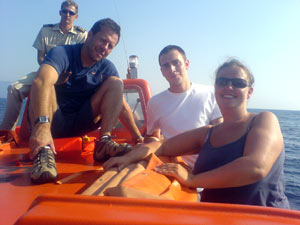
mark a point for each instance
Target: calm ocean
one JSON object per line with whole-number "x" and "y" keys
{"x": 290, "y": 126}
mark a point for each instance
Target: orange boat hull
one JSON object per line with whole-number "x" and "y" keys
{"x": 75, "y": 209}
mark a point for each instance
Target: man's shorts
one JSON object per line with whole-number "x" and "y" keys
{"x": 73, "y": 124}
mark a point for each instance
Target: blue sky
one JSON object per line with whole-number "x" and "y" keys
{"x": 263, "y": 34}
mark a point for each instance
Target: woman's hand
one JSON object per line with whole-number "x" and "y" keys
{"x": 177, "y": 171}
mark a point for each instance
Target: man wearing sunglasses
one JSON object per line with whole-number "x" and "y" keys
{"x": 184, "y": 106}
{"x": 50, "y": 35}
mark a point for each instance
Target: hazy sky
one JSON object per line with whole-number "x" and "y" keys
{"x": 264, "y": 34}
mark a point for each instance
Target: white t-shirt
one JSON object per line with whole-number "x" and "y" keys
{"x": 174, "y": 113}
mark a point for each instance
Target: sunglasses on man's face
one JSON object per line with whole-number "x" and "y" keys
{"x": 234, "y": 82}
{"x": 65, "y": 11}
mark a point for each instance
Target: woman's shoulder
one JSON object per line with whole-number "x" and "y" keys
{"x": 266, "y": 116}
{"x": 266, "y": 120}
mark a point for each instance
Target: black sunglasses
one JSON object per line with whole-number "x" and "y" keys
{"x": 65, "y": 11}
{"x": 235, "y": 82}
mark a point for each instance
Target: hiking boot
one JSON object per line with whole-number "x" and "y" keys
{"x": 106, "y": 147}
{"x": 44, "y": 168}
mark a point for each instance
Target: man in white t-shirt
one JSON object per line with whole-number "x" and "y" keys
{"x": 184, "y": 106}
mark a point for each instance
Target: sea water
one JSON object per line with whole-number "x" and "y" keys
{"x": 290, "y": 126}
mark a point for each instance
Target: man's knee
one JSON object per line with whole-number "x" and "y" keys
{"x": 114, "y": 82}
{"x": 19, "y": 90}
{"x": 111, "y": 84}
{"x": 14, "y": 91}
{"x": 111, "y": 89}
{"x": 12, "y": 88}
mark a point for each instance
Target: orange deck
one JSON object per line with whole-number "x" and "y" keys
{"x": 17, "y": 191}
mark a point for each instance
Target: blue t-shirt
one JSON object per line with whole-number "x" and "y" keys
{"x": 83, "y": 82}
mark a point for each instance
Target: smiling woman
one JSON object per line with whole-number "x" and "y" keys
{"x": 233, "y": 80}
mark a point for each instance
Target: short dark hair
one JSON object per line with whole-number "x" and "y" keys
{"x": 169, "y": 48}
{"x": 69, "y": 3}
{"x": 109, "y": 23}
{"x": 232, "y": 62}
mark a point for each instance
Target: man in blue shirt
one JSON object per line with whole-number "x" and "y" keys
{"x": 75, "y": 91}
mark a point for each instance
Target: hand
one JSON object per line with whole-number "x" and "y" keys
{"x": 121, "y": 162}
{"x": 177, "y": 171}
{"x": 40, "y": 137}
{"x": 139, "y": 140}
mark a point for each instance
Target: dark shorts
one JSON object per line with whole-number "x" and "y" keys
{"x": 73, "y": 124}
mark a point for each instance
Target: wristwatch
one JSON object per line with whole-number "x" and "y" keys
{"x": 42, "y": 119}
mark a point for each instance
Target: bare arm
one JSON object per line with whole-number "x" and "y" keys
{"x": 154, "y": 131}
{"x": 127, "y": 119}
{"x": 40, "y": 56}
{"x": 185, "y": 143}
{"x": 42, "y": 104}
{"x": 263, "y": 146}
{"x": 138, "y": 153}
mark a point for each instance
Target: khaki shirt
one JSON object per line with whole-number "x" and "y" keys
{"x": 51, "y": 35}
